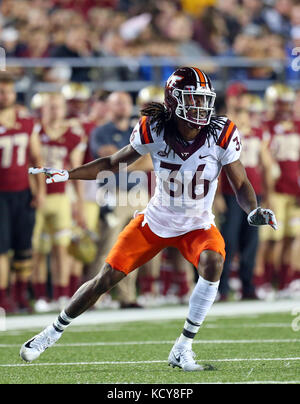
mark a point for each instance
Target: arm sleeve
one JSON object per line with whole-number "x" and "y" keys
{"x": 136, "y": 141}
{"x": 233, "y": 149}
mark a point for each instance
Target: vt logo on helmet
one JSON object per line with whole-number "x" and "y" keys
{"x": 190, "y": 95}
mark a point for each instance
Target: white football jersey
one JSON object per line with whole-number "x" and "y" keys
{"x": 187, "y": 179}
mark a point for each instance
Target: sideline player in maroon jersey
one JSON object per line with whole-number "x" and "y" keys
{"x": 238, "y": 235}
{"x": 89, "y": 111}
{"x": 19, "y": 147}
{"x": 284, "y": 143}
{"x": 181, "y": 135}
{"x": 61, "y": 145}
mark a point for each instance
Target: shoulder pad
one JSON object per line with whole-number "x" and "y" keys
{"x": 145, "y": 130}
{"x": 226, "y": 134}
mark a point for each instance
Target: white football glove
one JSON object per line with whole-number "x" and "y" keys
{"x": 52, "y": 174}
{"x": 260, "y": 216}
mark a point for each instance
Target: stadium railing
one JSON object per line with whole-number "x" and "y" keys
{"x": 223, "y": 69}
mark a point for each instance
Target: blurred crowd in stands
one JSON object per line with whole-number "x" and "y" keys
{"x": 54, "y": 237}
{"x": 194, "y": 28}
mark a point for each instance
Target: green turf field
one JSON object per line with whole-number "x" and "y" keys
{"x": 248, "y": 349}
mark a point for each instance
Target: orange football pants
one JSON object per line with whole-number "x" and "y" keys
{"x": 137, "y": 245}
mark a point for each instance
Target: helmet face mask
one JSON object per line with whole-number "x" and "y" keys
{"x": 194, "y": 106}
{"x": 190, "y": 96}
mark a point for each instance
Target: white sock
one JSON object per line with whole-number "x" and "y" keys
{"x": 201, "y": 300}
{"x": 62, "y": 322}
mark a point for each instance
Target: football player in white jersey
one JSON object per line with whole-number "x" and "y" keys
{"x": 189, "y": 146}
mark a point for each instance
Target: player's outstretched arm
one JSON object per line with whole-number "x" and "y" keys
{"x": 246, "y": 196}
{"x": 90, "y": 171}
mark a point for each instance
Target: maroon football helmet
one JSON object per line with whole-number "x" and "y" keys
{"x": 190, "y": 95}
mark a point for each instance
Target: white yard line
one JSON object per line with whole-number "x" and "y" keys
{"x": 207, "y": 341}
{"x": 122, "y": 327}
{"x": 96, "y": 317}
{"x": 141, "y": 362}
{"x": 251, "y": 325}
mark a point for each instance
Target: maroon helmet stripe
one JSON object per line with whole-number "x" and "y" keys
{"x": 208, "y": 80}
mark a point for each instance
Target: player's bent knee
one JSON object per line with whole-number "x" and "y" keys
{"x": 107, "y": 278}
{"x": 211, "y": 265}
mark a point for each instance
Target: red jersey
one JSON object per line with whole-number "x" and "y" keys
{"x": 285, "y": 148}
{"x": 88, "y": 127}
{"x": 15, "y": 133}
{"x": 250, "y": 158}
{"x": 57, "y": 148}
